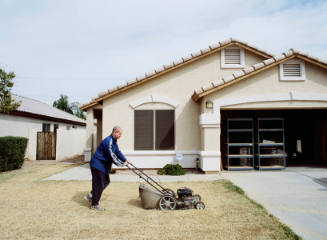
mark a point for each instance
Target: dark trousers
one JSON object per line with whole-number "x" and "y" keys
{"x": 100, "y": 181}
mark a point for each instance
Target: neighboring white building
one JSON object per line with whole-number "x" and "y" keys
{"x": 34, "y": 116}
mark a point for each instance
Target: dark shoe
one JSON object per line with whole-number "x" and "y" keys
{"x": 97, "y": 208}
{"x": 88, "y": 197}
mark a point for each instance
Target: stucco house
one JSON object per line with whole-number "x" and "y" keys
{"x": 229, "y": 106}
{"x": 52, "y": 133}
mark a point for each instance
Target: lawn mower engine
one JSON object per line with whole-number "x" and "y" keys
{"x": 185, "y": 200}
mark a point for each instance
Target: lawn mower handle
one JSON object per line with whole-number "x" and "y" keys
{"x": 147, "y": 178}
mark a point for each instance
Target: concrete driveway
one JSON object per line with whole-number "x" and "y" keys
{"x": 296, "y": 195}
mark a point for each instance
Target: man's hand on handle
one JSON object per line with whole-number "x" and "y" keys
{"x": 126, "y": 163}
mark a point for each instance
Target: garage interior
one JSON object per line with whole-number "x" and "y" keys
{"x": 273, "y": 139}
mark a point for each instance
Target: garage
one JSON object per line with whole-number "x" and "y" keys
{"x": 268, "y": 116}
{"x": 273, "y": 139}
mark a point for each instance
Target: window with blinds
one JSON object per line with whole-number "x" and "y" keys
{"x": 292, "y": 70}
{"x": 143, "y": 130}
{"x": 154, "y": 130}
{"x": 165, "y": 131}
{"x": 232, "y": 57}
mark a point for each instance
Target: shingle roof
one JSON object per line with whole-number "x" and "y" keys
{"x": 256, "y": 68}
{"x": 175, "y": 64}
{"x": 28, "y": 105}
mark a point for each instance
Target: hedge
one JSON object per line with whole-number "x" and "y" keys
{"x": 12, "y": 152}
{"x": 171, "y": 169}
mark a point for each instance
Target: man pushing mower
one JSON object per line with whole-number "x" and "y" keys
{"x": 108, "y": 153}
{"x": 101, "y": 162}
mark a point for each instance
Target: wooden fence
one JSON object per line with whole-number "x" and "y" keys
{"x": 46, "y": 146}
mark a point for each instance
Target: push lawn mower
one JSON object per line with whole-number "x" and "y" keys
{"x": 167, "y": 199}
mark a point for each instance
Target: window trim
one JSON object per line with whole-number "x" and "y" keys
{"x": 154, "y": 98}
{"x": 292, "y": 61}
{"x": 242, "y": 59}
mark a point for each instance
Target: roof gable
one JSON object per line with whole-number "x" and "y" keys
{"x": 255, "y": 69}
{"x": 172, "y": 66}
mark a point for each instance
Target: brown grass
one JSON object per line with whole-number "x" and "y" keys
{"x": 35, "y": 209}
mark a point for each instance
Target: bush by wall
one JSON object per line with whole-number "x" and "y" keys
{"x": 12, "y": 152}
{"x": 171, "y": 169}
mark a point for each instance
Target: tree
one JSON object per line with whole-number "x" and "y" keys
{"x": 7, "y": 104}
{"x": 63, "y": 104}
{"x": 76, "y": 111}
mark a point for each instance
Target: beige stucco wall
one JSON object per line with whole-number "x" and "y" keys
{"x": 210, "y": 139}
{"x": 268, "y": 83}
{"x": 177, "y": 85}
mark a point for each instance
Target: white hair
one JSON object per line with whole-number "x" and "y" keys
{"x": 116, "y": 129}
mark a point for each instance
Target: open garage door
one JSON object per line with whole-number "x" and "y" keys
{"x": 301, "y": 135}
{"x": 306, "y": 137}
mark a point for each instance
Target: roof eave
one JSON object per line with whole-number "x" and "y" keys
{"x": 45, "y": 117}
{"x": 88, "y": 105}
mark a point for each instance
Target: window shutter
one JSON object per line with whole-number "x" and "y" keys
{"x": 165, "y": 131}
{"x": 232, "y": 56}
{"x": 292, "y": 70}
{"x": 143, "y": 130}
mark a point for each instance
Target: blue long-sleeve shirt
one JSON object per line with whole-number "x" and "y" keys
{"x": 107, "y": 153}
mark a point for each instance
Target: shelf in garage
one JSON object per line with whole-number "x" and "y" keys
{"x": 240, "y": 144}
{"x": 273, "y": 150}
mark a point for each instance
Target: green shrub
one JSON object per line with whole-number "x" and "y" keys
{"x": 171, "y": 169}
{"x": 12, "y": 152}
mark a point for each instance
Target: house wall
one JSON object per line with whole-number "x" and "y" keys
{"x": 11, "y": 125}
{"x": 265, "y": 91}
{"x": 267, "y": 83}
{"x": 178, "y": 86}
{"x": 21, "y": 127}
{"x": 70, "y": 143}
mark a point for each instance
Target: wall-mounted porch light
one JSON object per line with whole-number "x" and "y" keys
{"x": 209, "y": 104}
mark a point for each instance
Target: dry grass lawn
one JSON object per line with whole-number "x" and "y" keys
{"x": 34, "y": 209}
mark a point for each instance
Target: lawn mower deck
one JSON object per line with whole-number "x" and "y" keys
{"x": 184, "y": 200}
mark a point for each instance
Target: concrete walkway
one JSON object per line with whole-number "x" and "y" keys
{"x": 83, "y": 173}
{"x": 297, "y": 196}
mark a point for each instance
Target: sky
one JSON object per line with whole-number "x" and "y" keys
{"x": 80, "y": 48}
